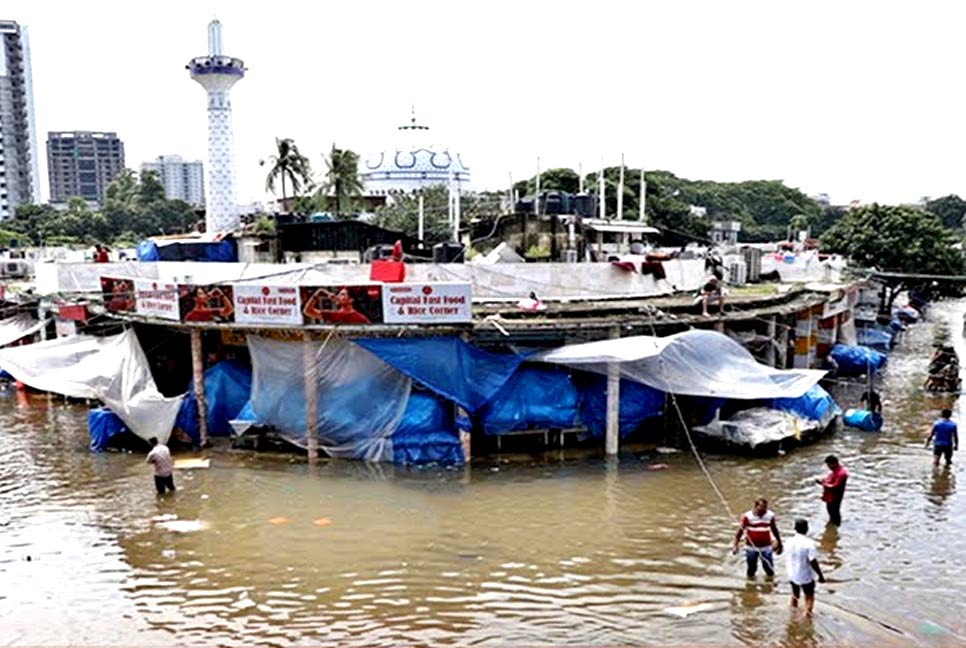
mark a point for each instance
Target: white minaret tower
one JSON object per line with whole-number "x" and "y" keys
{"x": 217, "y": 74}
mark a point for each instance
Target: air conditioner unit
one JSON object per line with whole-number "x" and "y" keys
{"x": 737, "y": 273}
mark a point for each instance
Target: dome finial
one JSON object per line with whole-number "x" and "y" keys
{"x": 412, "y": 126}
{"x": 412, "y": 107}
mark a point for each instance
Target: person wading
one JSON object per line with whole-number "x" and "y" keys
{"x": 801, "y": 559}
{"x": 833, "y": 488}
{"x": 160, "y": 457}
{"x": 758, "y": 525}
{"x": 945, "y": 438}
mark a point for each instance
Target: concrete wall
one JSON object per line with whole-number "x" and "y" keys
{"x": 497, "y": 282}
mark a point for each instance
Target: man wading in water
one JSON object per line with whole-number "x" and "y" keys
{"x": 801, "y": 560}
{"x": 759, "y": 523}
{"x": 160, "y": 456}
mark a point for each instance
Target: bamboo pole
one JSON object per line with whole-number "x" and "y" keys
{"x": 198, "y": 376}
{"x": 309, "y": 372}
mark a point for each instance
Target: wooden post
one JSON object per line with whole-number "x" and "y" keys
{"x": 613, "y": 401}
{"x": 309, "y": 373}
{"x": 198, "y": 376}
{"x": 770, "y": 349}
{"x": 783, "y": 348}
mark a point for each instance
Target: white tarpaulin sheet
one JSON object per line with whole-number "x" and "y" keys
{"x": 757, "y": 426}
{"x": 18, "y": 326}
{"x": 112, "y": 369}
{"x": 692, "y": 363}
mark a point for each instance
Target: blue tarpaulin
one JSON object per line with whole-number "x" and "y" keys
{"x": 426, "y": 434}
{"x": 815, "y": 404}
{"x": 533, "y": 398}
{"x": 877, "y": 339}
{"x": 637, "y": 403}
{"x": 228, "y": 386}
{"x": 188, "y": 250}
{"x": 856, "y": 360}
{"x": 447, "y": 366}
{"x": 102, "y": 424}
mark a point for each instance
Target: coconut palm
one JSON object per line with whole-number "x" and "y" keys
{"x": 288, "y": 164}
{"x": 342, "y": 179}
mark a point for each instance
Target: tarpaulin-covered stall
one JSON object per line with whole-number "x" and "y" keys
{"x": 693, "y": 363}
{"x": 228, "y": 387}
{"x": 18, "y": 327}
{"x": 426, "y": 433}
{"x": 361, "y": 399}
{"x": 856, "y": 360}
{"x": 102, "y": 426}
{"x": 638, "y": 403}
{"x": 532, "y": 398}
{"x": 188, "y": 249}
{"x": 109, "y": 369}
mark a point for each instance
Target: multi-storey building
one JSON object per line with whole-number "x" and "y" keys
{"x": 19, "y": 175}
{"x": 82, "y": 163}
{"x": 182, "y": 180}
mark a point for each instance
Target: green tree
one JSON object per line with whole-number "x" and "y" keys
{"x": 288, "y": 164}
{"x": 896, "y": 239}
{"x": 402, "y": 214}
{"x": 951, "y": 210}
{"x": 342, "y": 181}
{"x": 559, "y": 179}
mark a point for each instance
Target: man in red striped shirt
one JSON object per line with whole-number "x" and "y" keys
{"x": 758, "y": 525}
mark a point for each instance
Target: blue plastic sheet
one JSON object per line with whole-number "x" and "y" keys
{"x": 228, "y": 387}
{"x": 447, "y": 366}
{"x": 426, "y": 433}
{"x": 221, "y": 251}
{"x": 877, "y": 339}
{"x": 638, "y": 402}
{"x": 815, "y": 404}
{"x": 863, "y": 420}
{"x": 102, "y": 425}
{"x": 533, "y": 398}
{"x": 856, "y": 360}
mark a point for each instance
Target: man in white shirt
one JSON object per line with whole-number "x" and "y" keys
{"x": 801, "y": 559}
{"x": 160, "y": 456}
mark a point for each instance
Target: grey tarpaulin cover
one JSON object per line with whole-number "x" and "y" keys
{"x": 692, "y": 363}
{"x": 110, "y": 369}
{"x": 18, "y": 326}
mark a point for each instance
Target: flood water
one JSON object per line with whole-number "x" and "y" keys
{"x": 555, "y": 550}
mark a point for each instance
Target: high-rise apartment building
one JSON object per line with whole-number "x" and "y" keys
{"x": 182, "y": 180}
{"x": 82, "y": 163}
{"x": 19, "y": 164}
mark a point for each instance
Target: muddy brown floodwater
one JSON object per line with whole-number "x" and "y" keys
{"x": 562, "y": 550}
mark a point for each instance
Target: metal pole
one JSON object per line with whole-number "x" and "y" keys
{"x": 456, "y": 213}
{"x": 620, "y": 191}
{"x": 642, "y": 217}
{"x": 600, "y": 190}
{"x": 536, "y": 193}
{"x": 580, "y": 176}
{"x": 770, "y": 349}
{"x": 311, "y": 397}
{"x": 613, "y": 400}
{"x": 422, "y": 216}
{"x": 198, "y": 376}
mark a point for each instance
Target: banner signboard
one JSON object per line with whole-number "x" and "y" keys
{"x": 342, "y": 304}
{"x": 206, "y": 303}
{"x": 427, "y": 303}
{"x": 272, "y": 305}
{"x": 155, "y": 299}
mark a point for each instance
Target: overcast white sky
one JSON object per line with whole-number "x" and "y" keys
{"x": 861, "y": 100}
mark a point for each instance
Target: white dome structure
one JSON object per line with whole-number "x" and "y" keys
{"x": 413, "y": 164}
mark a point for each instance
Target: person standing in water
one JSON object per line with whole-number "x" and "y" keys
{"x": 758, "y": 525}
{"x": 160, "y": 457}
{"x": 945, "y": 438}
{"x": 833, "y": 488}
{"x": 801, "y": 559}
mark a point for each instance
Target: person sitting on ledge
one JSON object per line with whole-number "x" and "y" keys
{"x": 712, "y": 291}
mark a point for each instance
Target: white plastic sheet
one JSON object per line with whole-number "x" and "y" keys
{"x": 110, "y": 369}
{"x": 757, "y": 426}
{"x": 360, "y": 401}
{"x": 18, "y": 326}
{"x": 692, "y": 363}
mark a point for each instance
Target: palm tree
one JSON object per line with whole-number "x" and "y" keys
{"x": 342, "y": 179}
{"x": 288, "y": 164}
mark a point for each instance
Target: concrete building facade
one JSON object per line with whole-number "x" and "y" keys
{"x": 182, "y": 180}
{"x": 82, "y": 163}
{"x": 19, "y": 164}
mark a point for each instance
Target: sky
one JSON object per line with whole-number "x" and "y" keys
{"x": 859, "y": 100}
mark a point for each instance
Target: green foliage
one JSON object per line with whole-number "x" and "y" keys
{"x": 264, "y": 225}
{"x": 342, "y": 181}
{"x": 134, "y": 208}
{"x": 289, "y": 167}
{"x": 402, "y": 214}
{"x": 896, "y": 239}
{"x": 951, "y": 210}
{"x": 560, "y": 179}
